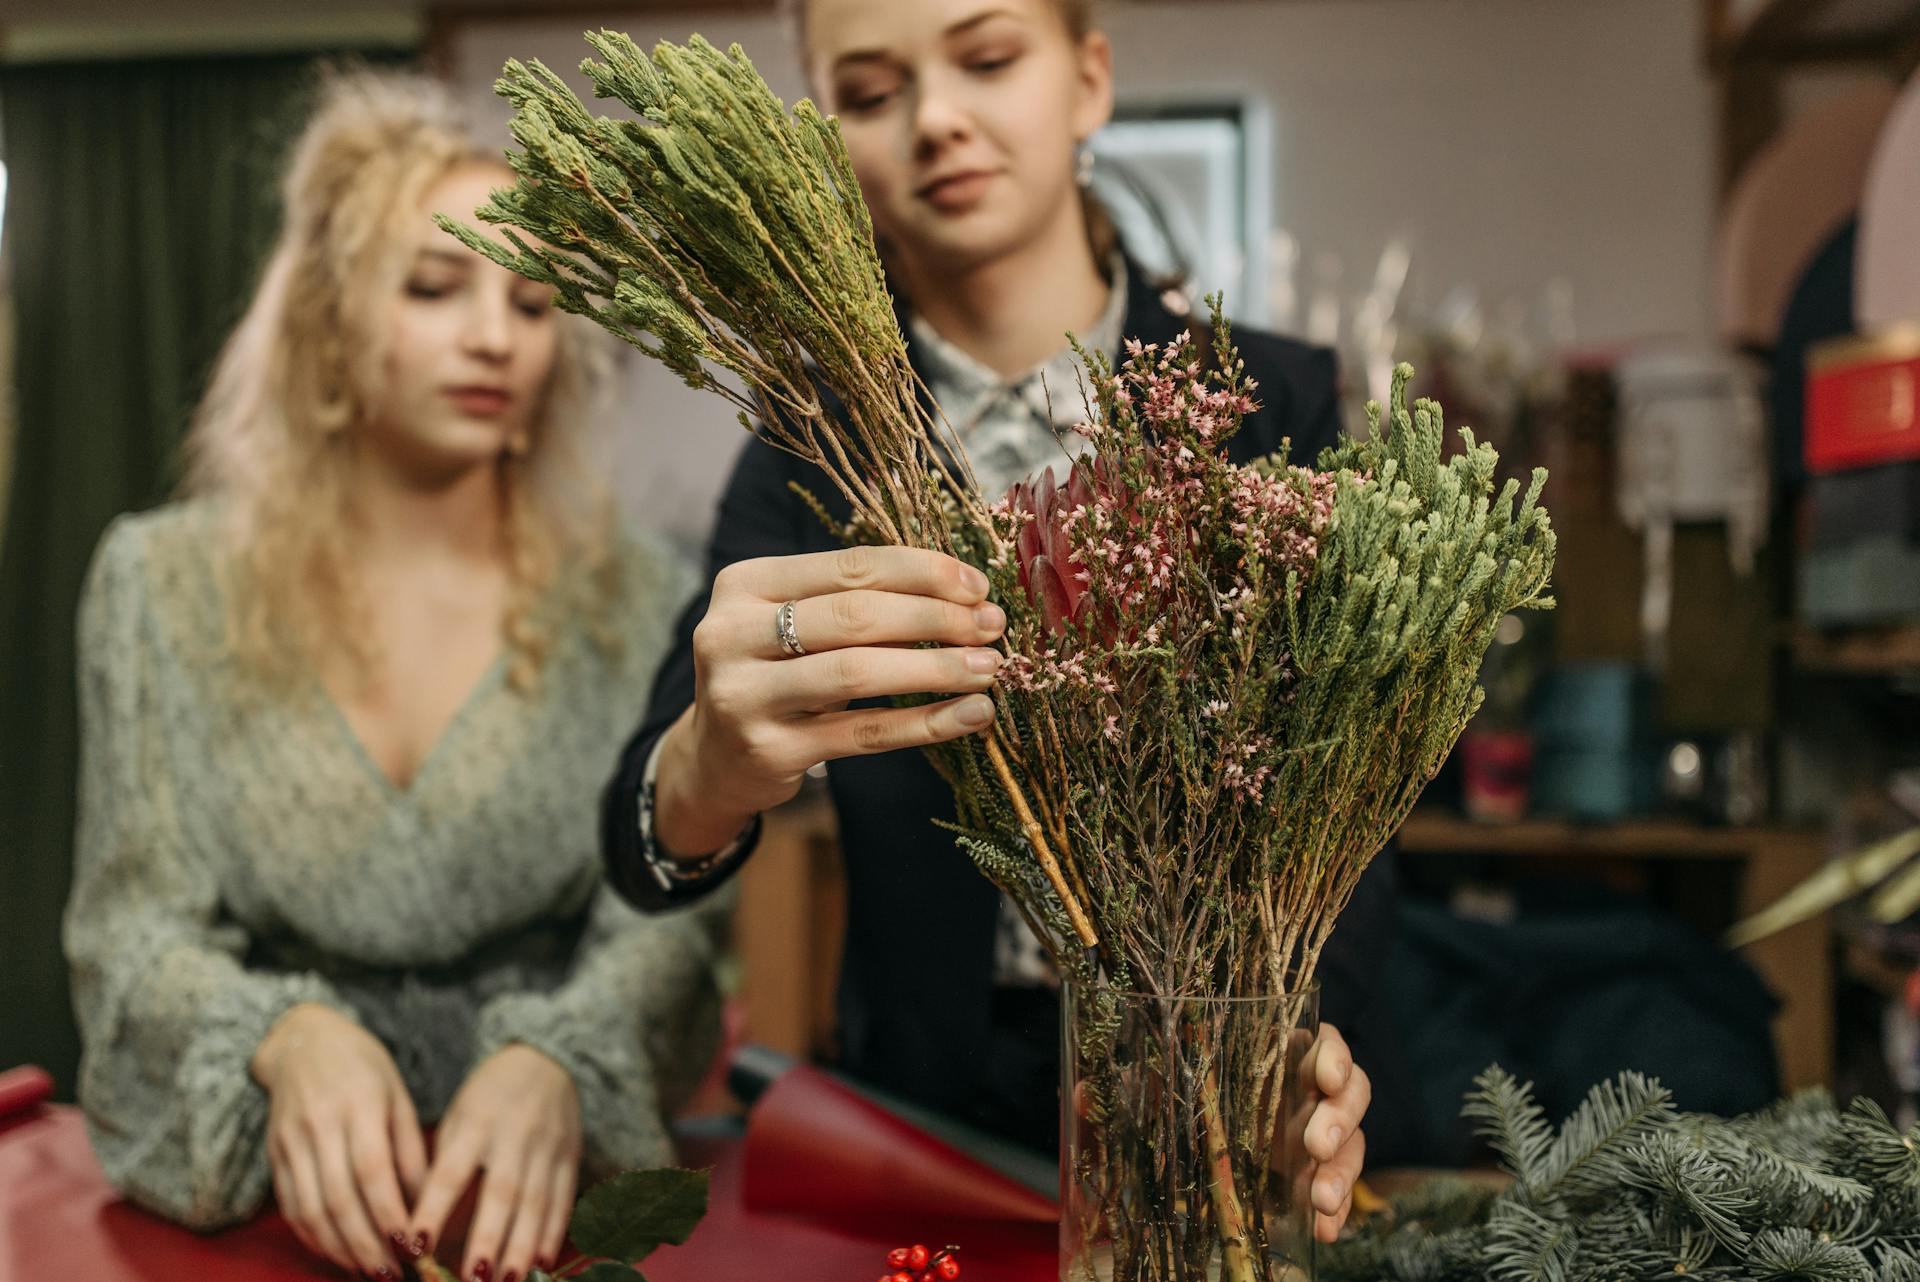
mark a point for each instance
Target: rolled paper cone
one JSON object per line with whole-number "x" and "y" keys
{"x": 23, "y": 1088}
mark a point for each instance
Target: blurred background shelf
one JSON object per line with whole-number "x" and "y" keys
{"x": 1797, "y": 964}
{"x": 1858, "y": 651}
{"x": 1442, "y": 834}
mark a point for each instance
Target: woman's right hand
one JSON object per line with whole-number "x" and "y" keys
{"x": 342, "y": 1137}
{"x": 761, "y": 717}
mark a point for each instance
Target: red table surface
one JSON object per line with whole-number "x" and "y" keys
{"x": 59, "y": 1218}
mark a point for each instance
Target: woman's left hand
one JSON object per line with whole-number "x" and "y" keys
{"x": 1333, "y": 1138}
{"x": 517, "y": 1119}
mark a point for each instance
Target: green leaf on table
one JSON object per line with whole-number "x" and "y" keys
{"x": 608, "y": 1271}
{"x": 626, "y": 1217}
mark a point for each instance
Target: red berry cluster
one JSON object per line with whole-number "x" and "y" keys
{"x": 917, "y": 1264}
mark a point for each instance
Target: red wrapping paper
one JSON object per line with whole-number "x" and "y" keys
{"x": 23, "y": 1088}
{"x": 59, "y": 1218}
{"x": 819, "y": 1150}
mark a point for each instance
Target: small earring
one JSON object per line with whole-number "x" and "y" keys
{"x": 1083, "y": 165}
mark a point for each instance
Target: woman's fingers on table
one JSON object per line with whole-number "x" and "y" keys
{"x": 501, "y": 1188}
{"x": 312, "y": 1222}
{"x": 374, "y": 1163}
{"x": 915, "y": 571}
{"x": 521, "y": 1243}
{"x": 409, "y": 1146}
{"x": 553, "y": 1233}
{"x": 447, "y": 1179}
{"x": 286, "y": 1196}
{"x": 342, "y": 1171}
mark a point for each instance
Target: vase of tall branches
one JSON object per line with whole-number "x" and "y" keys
{"x": 1180, "y": 1126}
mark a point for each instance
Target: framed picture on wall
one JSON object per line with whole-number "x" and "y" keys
{"x": 1189, "y": 185}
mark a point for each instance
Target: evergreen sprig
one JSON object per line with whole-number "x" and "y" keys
{"x": 1802, "y": 1190}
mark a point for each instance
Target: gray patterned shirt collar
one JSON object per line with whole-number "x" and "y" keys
{"x": 1008, "y": 426}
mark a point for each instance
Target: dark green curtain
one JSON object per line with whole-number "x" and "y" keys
{"x": 141, "y": 199}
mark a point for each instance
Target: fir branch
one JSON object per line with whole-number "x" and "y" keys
{"x": 1526, "y": 1246}
{"x": 1882, "y": 1154}
{"x": 1687, "y": 1178}
{"x": 1513, "y": 1123}
{"x": 1800, "y": 1255}
{"x": 1589, "y": 1154}
{"x": 1799, "y": 1190}
{"x": 1895, "y": 1265}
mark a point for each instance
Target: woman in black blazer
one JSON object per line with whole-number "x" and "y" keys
{"x": 966, "y": 121}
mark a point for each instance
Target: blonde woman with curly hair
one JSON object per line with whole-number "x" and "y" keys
{"x": 345, "y": 710}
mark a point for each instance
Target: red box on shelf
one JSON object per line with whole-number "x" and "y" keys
{"x": 1863, "y": 401}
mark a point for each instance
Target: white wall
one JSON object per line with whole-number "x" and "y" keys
{"x": 1510, "y": 141}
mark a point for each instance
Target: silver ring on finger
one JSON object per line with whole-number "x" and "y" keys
{"x": 783, "y": 625}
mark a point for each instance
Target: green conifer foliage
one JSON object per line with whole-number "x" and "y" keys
{"x": 1629, "y": 1189}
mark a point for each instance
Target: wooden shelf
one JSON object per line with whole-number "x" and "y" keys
{"x": 1439, "y": 834}
{"x": 1862, "y": 651}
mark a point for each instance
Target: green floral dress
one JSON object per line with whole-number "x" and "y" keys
{"x": 236, "y": 856}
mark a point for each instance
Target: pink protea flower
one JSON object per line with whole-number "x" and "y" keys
{"x": 1051, "y": 575}
{"x": 1046, "y": 515}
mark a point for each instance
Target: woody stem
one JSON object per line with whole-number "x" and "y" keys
{"x": 1037, "y": 838}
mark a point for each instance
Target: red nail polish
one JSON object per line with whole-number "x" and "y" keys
{"x": 483, "y": 1271}
{"x": 385, "y": 1274}
{"x": 420, "y": 1244}
{"x": 513, "y": 1275}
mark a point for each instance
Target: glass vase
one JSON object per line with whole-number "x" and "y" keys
{"x": 1181, "y": 1121}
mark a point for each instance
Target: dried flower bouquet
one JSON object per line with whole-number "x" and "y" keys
{"x": 1225, "y": 686}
